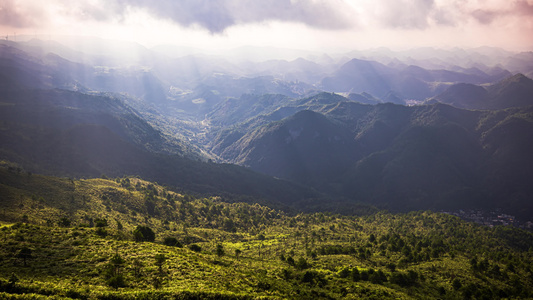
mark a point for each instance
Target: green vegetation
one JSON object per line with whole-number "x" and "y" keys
{"x": 53, "y": 246}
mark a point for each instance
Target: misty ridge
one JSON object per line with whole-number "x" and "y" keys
{"x": 402, "y": 130}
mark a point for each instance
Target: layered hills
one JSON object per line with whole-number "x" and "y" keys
{"x": 135, "y": 173}
{"x": 432, "y": 156}
{"x": 186, "y": 121}
{"x": 72, "y": 133}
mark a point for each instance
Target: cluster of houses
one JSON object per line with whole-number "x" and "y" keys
{"x": 492, "y": 218}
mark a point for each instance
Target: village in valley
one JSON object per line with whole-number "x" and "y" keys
{"x": 491, "y": 218}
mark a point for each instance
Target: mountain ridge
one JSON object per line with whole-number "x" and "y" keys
{"x": 513, "y": 91}
{"x": 422, "y": 152}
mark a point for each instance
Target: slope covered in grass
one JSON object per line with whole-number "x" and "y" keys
{"x": 78, "y": 239}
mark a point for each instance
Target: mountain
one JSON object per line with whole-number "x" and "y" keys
{"x": 88, "y": 134}
{"x": 300, "y": 146}
{"x": 403, "y": 158}
{"x": 406, "y": 82}
{"x": 233, "y": 110}
{"x": 464, "y": 95}
{"x": 359, "y": 76}
{"x": 72, "y": 134}
{"x": 21, "y": 70}
{"x": 369, "y": 99}
{"x": 514, "y": 91}
{"x": 156, "y": 116}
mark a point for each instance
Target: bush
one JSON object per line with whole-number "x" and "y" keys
{"x": 302, "y": 264}
{"x": 171, "y": 241}
{"x": 220, "y": 250}
{"x": 143, "y": 234}
{"x": 195, "y": 248}
{"x": 64, "y": 222}
{"x": 100, "y": 231}
{"x": 116, "y": 281}
{"x": 100, "y": 223}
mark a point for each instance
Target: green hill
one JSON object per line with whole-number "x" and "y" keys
{"x": 80, "y": 239}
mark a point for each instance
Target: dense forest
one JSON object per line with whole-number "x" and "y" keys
{"x": 126, "y": 238}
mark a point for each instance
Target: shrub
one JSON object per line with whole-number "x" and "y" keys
{"x": 220, "y": 250}
{"x": 195, "y": 248}
{"x": 100, "y": 231}
{"x": 172, "y": 241}
{"x": 64, "y": 222}
{"x": 143, "y": 234}
{"x": 302, "y": 263}
{"x": 100, "y": 223}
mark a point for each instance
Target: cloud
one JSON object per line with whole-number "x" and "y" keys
{"x": 409, "y": 14}
{"x": 485, "y": 16}
{"x": 17, "y": 15}
{"x": 424, "y": 14}
{"x": 524, "y": 8}
{"x": 213, "y": 15}
{"x": 217, "y": 16}
{"x": 517, "y": 9}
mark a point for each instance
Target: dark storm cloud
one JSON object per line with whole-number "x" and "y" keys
{"x": 217, "y": 16}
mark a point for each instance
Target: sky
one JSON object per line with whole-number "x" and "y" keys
{"x": 322, "y": 25}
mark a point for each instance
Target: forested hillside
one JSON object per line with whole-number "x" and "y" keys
{"x": 127, "y": 238}
{"x": 403, "y": 158}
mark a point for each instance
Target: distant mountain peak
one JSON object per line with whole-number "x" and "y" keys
{"x": 513, "y": 91}
{"x": 517, "y": 78}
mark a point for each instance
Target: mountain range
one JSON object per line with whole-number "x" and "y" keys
{"x": 317, "y": 132}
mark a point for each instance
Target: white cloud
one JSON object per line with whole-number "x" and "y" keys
{"x": 285, "y": 23}
{"x": 217, "y": 16}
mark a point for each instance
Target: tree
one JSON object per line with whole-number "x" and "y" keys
{"x": 100, "y": 223}
{"x": 302, "y": 264}
{"x": 456, "y": 284}
{"x": 13, "y": 279}
{"x": 115, "y": 278}
{"x": 372, "y": 238}
{"x": 290, "y": 261}
{"x": 229, "y": 225}
{"x": 160, "y": 261}
{"x": 137, "y": 267}
{"x": 195, "y": 248}
{"x": 355, "y": 274}
{"x": 143, "y": 234}
{"x": 24, "y": 253}
{"x": 64, "y": 222}
{"x": 344, "y": 272}
{"x": 172, "y": 241}
{"x": 220, "y": 250}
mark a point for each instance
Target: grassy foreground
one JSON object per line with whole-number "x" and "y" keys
{"x": 91, "y": 239}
